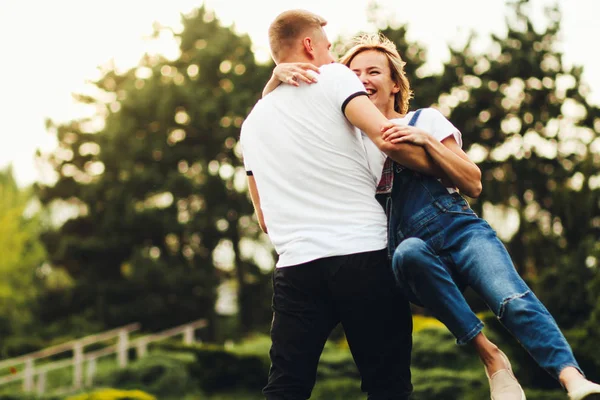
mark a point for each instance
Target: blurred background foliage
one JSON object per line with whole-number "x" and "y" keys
{"x": 148, "y": 218}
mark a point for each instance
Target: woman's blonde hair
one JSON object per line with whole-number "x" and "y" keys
{"x": 380, "y": 43}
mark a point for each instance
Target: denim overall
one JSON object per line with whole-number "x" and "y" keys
{"x": 439, "y": 246}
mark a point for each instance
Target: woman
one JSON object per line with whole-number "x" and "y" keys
{"x": 440, "y": 246}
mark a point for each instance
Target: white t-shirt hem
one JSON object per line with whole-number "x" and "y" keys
{"x": 287, "y": 262}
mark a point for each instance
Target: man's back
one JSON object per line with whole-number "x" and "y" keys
{"x": 311, "y": 171}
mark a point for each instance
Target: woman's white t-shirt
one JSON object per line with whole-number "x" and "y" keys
{"x": 430, "y": 120}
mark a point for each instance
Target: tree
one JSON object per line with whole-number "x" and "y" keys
{"x": 158, "y": 185}
{"x": 528, "y": 124}
{"x": 526, "y": 121}
{"x": 21, "y": 255}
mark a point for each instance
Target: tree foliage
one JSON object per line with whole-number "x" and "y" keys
{"x": 162, "y": 215}
{"x": 158, "y": 185}
{"x": 527, "y": 122}
{"x": 21, "y": 254}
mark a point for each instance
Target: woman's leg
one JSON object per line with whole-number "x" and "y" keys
{"x": 503, "y": 384}
{"x": 482, "y": 260}
{"x": 428, "y": 282}
{"x": 489, "y": 353}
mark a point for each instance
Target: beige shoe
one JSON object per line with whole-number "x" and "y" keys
{"x": 586, "y": 390}
{"x": 504, "y": 385}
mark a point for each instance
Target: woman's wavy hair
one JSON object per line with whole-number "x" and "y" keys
{"x": 382, "y": 44}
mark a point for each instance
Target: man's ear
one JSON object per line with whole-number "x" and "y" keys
{"x": 307, "y": 43}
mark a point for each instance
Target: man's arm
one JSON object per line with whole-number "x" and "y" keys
{"x": 363, "y": 114}
{"x": 256, "y": 202}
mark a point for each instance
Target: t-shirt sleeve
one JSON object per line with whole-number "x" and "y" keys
{"x": 342, "y": 84}
{"x": 440, "y": 127}
{"x": 247, "y": 166}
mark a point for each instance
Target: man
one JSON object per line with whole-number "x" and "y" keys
{"x": 314, "y": 194}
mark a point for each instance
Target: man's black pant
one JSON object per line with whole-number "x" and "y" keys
{"x": 358, "y": 290}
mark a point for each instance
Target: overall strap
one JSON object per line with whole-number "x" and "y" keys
{"x": 415, "y": 117}
{"x": 397, "y": 167}
{"x": 391, "y": 175}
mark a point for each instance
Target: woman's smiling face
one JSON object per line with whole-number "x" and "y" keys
{"x": 373, "y": 69}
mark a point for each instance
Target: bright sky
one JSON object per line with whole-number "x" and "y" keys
{"x": 48, "y": 49}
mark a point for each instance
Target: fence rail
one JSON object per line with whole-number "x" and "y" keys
{"x": 34, "y": 375}
{"x": 64, "y": 347}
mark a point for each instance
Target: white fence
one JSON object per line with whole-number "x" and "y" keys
{"x": 33, "y": 374}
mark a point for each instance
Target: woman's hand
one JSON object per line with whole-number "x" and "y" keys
{"x": 294, "y": 73}
{"x": 405, "y": 134}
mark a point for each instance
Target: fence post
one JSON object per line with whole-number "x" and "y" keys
{"x": 122, "y": 348}
{"x": 41, "y": 382}
{"x": 188, "y": 335}
{"x": 77, "y": 365}
{"x": 90, "y": 372}
{"x": 141, "y": 348}
{"x": 28, "y": 376}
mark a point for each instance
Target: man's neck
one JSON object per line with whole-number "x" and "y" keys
{"x": 296, "y": 58}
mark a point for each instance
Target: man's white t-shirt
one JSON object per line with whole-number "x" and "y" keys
{"x": 316, "y": 191}
{"x": 430, "y": 120}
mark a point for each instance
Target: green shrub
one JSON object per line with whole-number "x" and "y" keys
{"x": 337, "y": 369}
{"x": 113, "y": 394}
{"x": 584, "y": 342}
{"x": 338, "y": 389}
{"x": 230, "y": 395}
{"x": 255, "y": 345}
{"x": 337, "y": 364}
{"x": 545, "y": 394}
{"x": 216, "y": 368}
{"x": 435, "y": 348}
{"x": 23, "y": 396}
{"x": 15, "y": 346}
{"x": 159, "y": 375}
{"x": 449, "y": 384}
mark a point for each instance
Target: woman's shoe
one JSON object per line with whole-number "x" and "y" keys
{"x": 586, "y": 390}
{"x": 504, "y": 385}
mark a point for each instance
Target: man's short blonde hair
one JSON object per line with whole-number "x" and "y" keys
{"x": 380, "y": 43}
{"x": 288, "y": 27}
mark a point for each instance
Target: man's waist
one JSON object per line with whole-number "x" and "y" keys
{"x": 301, "y": 252}
{"x": 324, "y": 229}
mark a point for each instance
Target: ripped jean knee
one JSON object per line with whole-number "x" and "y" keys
{"x": 528, "y": 320}
{"x": 506, "y": 301}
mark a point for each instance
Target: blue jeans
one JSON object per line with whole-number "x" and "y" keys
{"x": 441, "y": 246}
